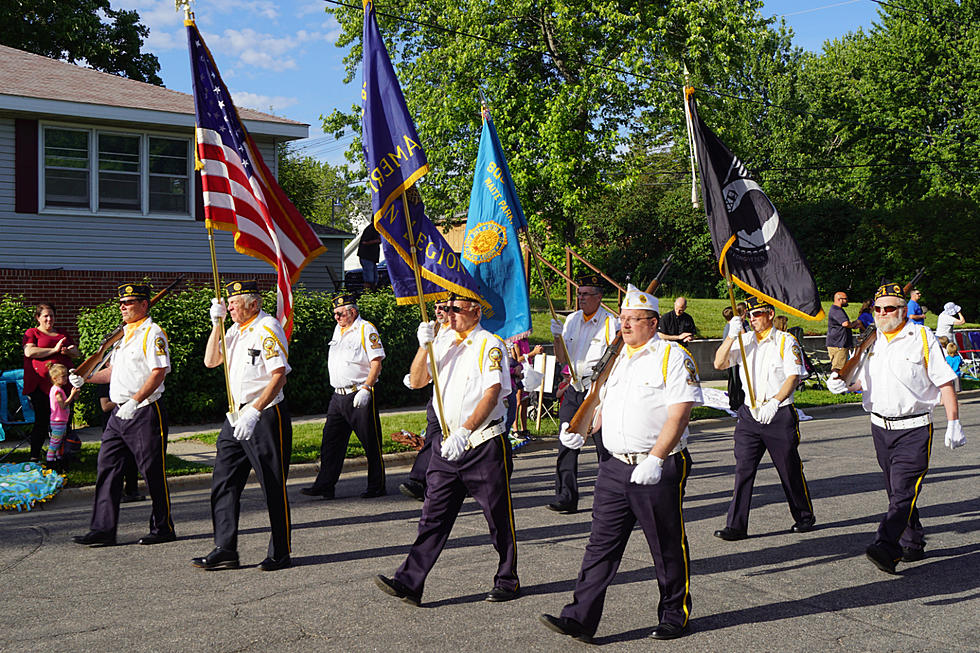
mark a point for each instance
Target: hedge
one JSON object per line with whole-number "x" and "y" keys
{"x": 195, "y": 394}
{"x": 16, "y": 317}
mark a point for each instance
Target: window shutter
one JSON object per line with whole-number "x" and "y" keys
{"x": 25, "y": 165}
{"x": 198, "y": 197}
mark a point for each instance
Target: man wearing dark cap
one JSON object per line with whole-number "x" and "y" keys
{"x": 587, "y": 333}
{"x": 775, "y": 364}
{"x": 471, "y": 457}
{"x": 354, "y": 364}
{"x": 902, "y": 379}
{"x": 260, "y": 435}
{"x": 138, "y": 364}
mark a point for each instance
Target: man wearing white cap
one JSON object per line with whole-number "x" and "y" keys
{"x": 644, "y": 409}
{"x": 950, "y": 317}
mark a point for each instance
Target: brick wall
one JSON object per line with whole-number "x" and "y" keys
{"x": 70, "y": 290}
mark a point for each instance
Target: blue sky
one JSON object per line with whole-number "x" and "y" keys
{"x": 281, "y": 56}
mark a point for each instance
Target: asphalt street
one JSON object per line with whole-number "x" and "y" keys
{"x": 776, "y": 591}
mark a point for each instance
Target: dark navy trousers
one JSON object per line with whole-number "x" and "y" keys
{"x": 566, "y": 468}
{"x": 483, "y": 473}
{"x": 342, "y": 417}
{"x": 267, "y": 452}
{"x": 904, "y": 458}
{"x": 781, "y": 438}
{"x": 145, "y": 438}
{"x": 617, "y": 507}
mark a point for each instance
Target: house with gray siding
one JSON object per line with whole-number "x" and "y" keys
{"x": 97, "y": 187}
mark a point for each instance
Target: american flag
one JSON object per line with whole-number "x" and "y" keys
{"x": 240, "y": 193}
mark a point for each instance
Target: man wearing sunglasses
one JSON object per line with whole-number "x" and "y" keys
{"x": 775, "y": 363}
{"x": 472, "y": 458}
{"x": 135, "y": 373}
{"x": 354, "y": 364}
{"x": 414, "y": 487}
{"x": 903, "y": 378}
{"x": 587, "y": 333}
{"x": 644, "y": 409}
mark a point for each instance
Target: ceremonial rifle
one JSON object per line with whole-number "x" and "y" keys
{"x": 96, "y": 361}
{"x": 583, "y": 416}
{"x": 850, "y": 368}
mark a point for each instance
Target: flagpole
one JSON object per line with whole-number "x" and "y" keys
{"x": 551, "y": 306}
{"x": 741, "y": 346}
{"x": 425, "y": 318}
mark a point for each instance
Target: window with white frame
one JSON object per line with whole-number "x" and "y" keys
{"x": 108, "y": 171}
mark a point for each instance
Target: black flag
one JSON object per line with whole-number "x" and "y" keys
{"x": 763, "y": 257}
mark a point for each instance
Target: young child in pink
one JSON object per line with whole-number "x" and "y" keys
{"x": 59, "y": 409}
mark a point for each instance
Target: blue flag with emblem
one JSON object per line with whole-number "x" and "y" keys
{"x": 395, "y": 161}
{"x": 491, "y": 250}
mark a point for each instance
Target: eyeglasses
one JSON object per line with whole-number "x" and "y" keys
{"x": 340, "y": 314}
{"x": 127, "y": 302}
{"x": 627, "y": 320}
{"x": 891, "y": 308}
{"x": 758, "y": 312}
{"x": 442, "y": 308}
{"x": 456, "y": 309}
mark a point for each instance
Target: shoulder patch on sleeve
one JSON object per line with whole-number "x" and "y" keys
{"x": 160, "y": 346}
{"x": 375, "y": 340}
{"x": 269, "y": 347}
{"x": 495, "y": 355}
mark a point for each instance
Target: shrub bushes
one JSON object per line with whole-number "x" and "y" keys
{"x": 196, "y": 394}
{"x": 16, "y": 317}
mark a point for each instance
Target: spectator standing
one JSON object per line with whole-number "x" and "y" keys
{"x": 917, "y": 313}
{"x": 369, "y": 251}
{"x": 950, "y": 317}
{"x": 43, "y": 344}
{"x": 839, "y": 338}
{"x": 677, "y": 325}
{"x": 864, "y": 316}
{"x": 956, "y": 362}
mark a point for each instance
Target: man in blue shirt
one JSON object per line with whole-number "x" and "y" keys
{"x": 916, "y": 313}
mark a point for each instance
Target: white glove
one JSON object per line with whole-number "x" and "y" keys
{"x": 248, "y": 417}
{"x": 406, "y": 381}
{"x": 734, "y": 326}
{"x": 836, "y": 384}
{"x": 763, "y": 414}
{"x": 454, "y": 446}
{"x": 556, "y": 327}
{"x": 218, "y": 311}
{"x": 75, "y": 380}
{"x": 426, "y": 333}
{"x": 648, "y": 471}
{"x": 362, "y": 398}
{"x": 954, "y": 434}
{"x": 570, "y": 439}
{"x": 128, "y": 409}
{"x": 532, "y": 378}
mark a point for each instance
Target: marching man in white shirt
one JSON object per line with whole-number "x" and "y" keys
{"x": 587, "y": 333}
{"x": 262, "y": 436}
{"x": 472, "y": 457}
{"x": 354, "y": 364}
{"x": 903, "y": 377}
{"x": 775, "y": 364}
{"x": 140, "y": 361}
{"x": 644, "y": 409}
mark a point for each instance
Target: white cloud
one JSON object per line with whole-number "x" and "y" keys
{"x": 255, "y": 49}
{"x": 312, "y": 7}
{"x": 267, "y": 103}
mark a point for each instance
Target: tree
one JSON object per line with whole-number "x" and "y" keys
{"x": 569, "y": 84}
{"x": 321, "y": 192}
{"x": 84, "y": 31}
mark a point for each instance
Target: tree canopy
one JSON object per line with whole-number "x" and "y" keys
{"x": 81, "y": 31}
{"x": 321, "y": 192}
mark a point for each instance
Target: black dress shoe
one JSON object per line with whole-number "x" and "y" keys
{"x": 912, "y": 555}
{"x": 567, "y": 508}
{"x": 500, "y": 594}
{"x": 398, "y": 589}
{"x": 95, "y": 538}
{"x": 158, "y": 538}
{"x": 669, "y": 631}
{"x": 371, "y": 494}
{"x": 413, "y": 489}
{"x": 271, "y": 564}
{"x": 217, "y": 559}
{"x": 565, "y": 626}
{"x": 316, "y": 492}
{"x": 730, "y": 534}
{"x": 130, "y": 498}
{"x": 804, "y": 525}
{"x": 881, "y": 559}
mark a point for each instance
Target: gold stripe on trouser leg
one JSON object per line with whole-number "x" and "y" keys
{"x": 163, "y": 460}
{"x": 680, "y": 510}
{"x": 796, "y": 427}
{"x": 918, "y": 483}
{"x": 510, "y": 506}
{"x": 282, "y": 475}
{"x": 377, "y": 431}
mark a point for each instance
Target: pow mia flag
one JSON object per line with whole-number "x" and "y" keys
{"x": 762, "y": 255}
